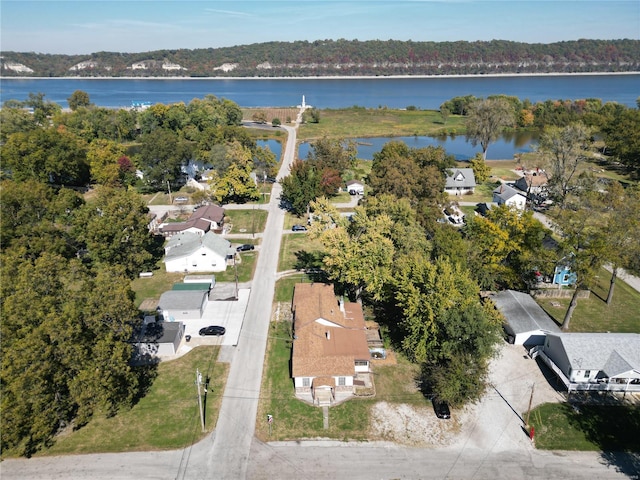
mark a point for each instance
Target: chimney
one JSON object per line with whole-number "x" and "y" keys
{"x": 342, "y": 305}
{"x": 328, "y": 334}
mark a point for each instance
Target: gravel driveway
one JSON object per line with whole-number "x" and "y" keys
{"x": 493, "y": 424}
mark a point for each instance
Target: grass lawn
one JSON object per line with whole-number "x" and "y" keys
{"x": 153, "y": 287}
{"x": 245, "y": 268}
{"x": 362, "y": 122}
{"x": 166, "y": 418}
{"x": 593, "y": 314}
{"x": 298, "y": 251}
{"x": 251, "y": 220}
{"x": 590, "y": 428}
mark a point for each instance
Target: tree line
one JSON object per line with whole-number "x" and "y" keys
{"x": 345, "y": 57}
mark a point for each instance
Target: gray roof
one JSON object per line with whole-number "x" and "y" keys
{"x": 186, "y": 243}
{"x": 522, "y": 312}
{"x": 505, "y": 192}
{"x": 460, "y": 177}
{"x": 613, "y": 353}
{"x": 161, "y": 332}
{"x": 182, "y": 300}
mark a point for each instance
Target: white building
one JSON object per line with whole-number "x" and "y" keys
{"x": 193, "y": 253}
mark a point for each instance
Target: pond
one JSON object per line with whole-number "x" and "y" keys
{"x": 458, "y": 146}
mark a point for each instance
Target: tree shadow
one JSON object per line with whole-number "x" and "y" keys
{"x": 311, "y": 264}
{"x": 614, "y": 429}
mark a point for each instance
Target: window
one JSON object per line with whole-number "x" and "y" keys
{"x": 361, "y": 363}
{"x": 306, "y": 382}
{"x": 587, "y": 373}
{"x": 565, "y": 278}
{"x": 342, "y": 381}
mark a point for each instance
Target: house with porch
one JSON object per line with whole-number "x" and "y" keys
{"x": 330, "y": 358}
{"x": 593, "y": 361}
{"x": 460, "y": 181}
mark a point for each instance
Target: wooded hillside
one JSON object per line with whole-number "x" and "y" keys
{"x": 339, "y": 57}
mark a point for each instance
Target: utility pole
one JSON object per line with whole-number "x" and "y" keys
{"x": 198, "y": 382}
{"x": 530, "y": 402}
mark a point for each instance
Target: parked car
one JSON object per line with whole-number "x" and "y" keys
{"x": 299, "y": 228}
{"x": 212, "y": 330}
{"x": 441, "y": 408}
{"x": 244, "y": 247}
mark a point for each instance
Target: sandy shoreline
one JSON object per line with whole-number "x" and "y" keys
{"x": 335, "y": 77}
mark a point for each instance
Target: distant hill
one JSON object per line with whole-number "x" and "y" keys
{"x": 338, "y": 57}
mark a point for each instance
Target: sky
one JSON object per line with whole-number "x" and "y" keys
{"x": 87, "y": 26}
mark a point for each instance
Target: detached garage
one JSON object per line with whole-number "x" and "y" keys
{"x": 178, "y": 305}
{"x": 160, "y": 339}
{"x": 526, "y": 323}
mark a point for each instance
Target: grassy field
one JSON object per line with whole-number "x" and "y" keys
{"x": 298, "y": 251}
{"x": 153, "y": 287}
{"x": 361, "y": 122}
{"x": 610, "y": 428}
{"x": 247, "y": 221}
{"x": 165, "y": 418}
{"x": 285, "y": 115}
{"x": 593, "y": 314}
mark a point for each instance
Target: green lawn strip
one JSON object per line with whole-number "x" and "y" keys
{"x": 558, "y": 426}
{"x": 361, "y": 122}
{"x": 166, "y": 418}
{"x": 284, "y": 287}
{"x": 251, "y": 220}
{"x": 245, "y": 267}
{"x": 298, "y": 251}
{"x": 593, "y": 315}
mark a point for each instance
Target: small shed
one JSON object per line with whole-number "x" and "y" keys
{"x": 526, "y": 323}
{"x": 160, "y": 339}
{"x": 355, "y": 187}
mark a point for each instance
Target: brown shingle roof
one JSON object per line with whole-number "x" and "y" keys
{"x": 327, "y": 340}
{"x": 212, "y": 213}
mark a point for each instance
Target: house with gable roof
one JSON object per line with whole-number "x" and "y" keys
{"x": 593, "y": 361}
{"x": 526, "y": 323}
{"x": 330, "y": 357}
{"x": 203, "y": 219}
{"x": 460, "y": 181}
{"x": 193, "y": 253}
{"x": 506, "y": 195}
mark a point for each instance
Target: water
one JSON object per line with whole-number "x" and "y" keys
{"x": 424, "y": 93}
{"x": 458, "y": 146}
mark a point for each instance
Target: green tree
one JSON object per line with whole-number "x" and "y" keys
{"x": 103, "y": 156}
{"x": 14, "y": 120}
{"x": 114, "y": 228}
{"x": 486, "y": 119}
{"x": 51, "y": 156}
{"x": 480, "y": 168}
{"x": 300, "y": 187}
{"x": 259, "y": 116}
{"x": 444, "y": 113}
{"x": 162, "y": 155}
{"x": 622, "y": 137}
{"x": 564, "y": 151}
{"x": 275, "y": 122}
{"x": 235, "y": 186}
{"x": 78, "y": 99}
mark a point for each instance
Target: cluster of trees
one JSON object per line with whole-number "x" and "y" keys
{"x": 67, "y": 259}
{"x": 322, "y": 174}
{"x": 348, "y": 57}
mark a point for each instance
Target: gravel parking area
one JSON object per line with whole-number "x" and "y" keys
{"x": 495, "y": 423}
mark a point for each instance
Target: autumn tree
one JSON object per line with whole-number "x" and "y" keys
{"x": 486, "y": 119}
{"x": 103, "y": 156}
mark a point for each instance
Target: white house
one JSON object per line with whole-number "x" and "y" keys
{"x": 460, "y": 181}
{"x": 594, "y": 361}
{"x": 193, "y": 253}
{"x": 534, "y": 182}
{"x": 330, "y": 357}
{"x": 506, "y": 195}
{"x": 355, "y": 187}
{"x": 526, "y": 323}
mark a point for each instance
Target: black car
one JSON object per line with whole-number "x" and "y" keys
{"x": 441, "y": 409}
{"x": 299, "y": 228}
{"x": 245, "y": 247}
{"x": 212, "y": 330}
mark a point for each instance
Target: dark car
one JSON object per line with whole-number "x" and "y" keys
{"x": 441, "y": 409}
{"x": 245, "y": 247}
{"x": 299, "y": 228}
{"x": 212, "y": 330}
